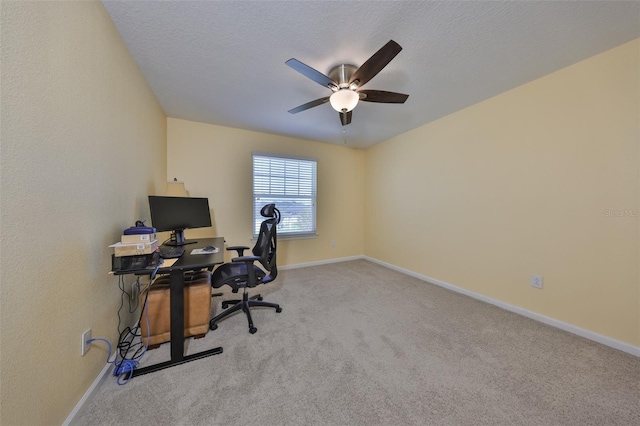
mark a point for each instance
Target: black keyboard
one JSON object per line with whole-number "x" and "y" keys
{"x": 171, "y": 252}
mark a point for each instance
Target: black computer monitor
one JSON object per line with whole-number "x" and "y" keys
{"x": 177, "y": 214}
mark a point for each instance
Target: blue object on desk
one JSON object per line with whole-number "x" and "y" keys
{"x": 137, "y": 230}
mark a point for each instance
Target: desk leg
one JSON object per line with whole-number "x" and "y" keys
{"x": 177, "y": 315}
{"x": 176, "y": 294}
{"x": 167, "y": 364}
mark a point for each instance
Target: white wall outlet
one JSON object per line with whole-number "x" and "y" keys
{"x": 536, "y": 281}
{"x": 333, "y": 243}
{"x": 84, "y": 348}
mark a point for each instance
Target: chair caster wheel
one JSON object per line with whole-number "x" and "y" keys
{"x": 213, "y": 326}
{"x": 252, "y": 330}
{"x": 278, "y": 310}
{"x": 259, "y": 298}
{"x": 225, "y": 305}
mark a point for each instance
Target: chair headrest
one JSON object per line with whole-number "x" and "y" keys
{"x": 271, "y": 211}
{"x": 268, "y": 210}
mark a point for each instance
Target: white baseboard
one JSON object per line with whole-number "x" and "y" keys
{"x": 101, "y": 376}
{"x": 320, "y": 262}
{"x": 607, "y": 341}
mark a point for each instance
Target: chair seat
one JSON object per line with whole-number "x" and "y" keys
{"x": 235, "y": 276}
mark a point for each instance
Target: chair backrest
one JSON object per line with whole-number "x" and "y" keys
{"x": 267, "y": 243}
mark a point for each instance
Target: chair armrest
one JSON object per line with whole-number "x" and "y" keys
{"x": 239, "y": 249}
{"x": 245, "y": 259}
{"x": 251, "y": 272}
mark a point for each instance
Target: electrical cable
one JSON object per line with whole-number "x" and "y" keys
{"x": 121, "y": 287}
{"x": 120, "y": 366}
{"x": 103, "y": 340}
{"x": 129, "y": 362}
{"x": 132, "y": 309}
{"x": 172, "y": 238}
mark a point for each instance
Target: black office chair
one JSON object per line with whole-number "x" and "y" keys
{"x": 242, "y": 272}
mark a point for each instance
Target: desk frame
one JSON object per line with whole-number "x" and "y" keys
{"x": 186, "y": 262}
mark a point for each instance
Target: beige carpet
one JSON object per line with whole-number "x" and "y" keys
{"x": 359, "y": 344}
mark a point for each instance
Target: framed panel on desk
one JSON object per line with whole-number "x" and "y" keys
{"x": 186, "y": 262}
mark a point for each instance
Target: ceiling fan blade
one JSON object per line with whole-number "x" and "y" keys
{"x": 375, "y": 63}
{"x": 311, "y": 73}
{"x": 309, "y": 105}
{"x": 345, "y": 117}
{"x": 382, "y": 96}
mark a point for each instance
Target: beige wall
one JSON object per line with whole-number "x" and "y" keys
{"x": 83, "y": 143}
{"x": 481, "y": 199}
{"x": 216, "y": 162}
{"x": 521, "y": 184}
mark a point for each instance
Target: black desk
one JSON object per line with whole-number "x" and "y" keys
{"x": 186, "y": 262}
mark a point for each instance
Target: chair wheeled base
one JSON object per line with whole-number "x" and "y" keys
{"x": 245, "y": 304}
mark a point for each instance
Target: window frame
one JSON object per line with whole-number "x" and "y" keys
{"x": 257, "y": 218}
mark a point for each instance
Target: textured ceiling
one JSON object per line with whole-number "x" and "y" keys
{"x": 223, "y": 62}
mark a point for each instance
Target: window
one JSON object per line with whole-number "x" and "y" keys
{"x": 290, "y": 183}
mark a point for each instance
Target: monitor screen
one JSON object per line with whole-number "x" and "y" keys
{"x": 179, "y": 213}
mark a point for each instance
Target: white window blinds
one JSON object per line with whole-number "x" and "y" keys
{"x": 290, "y": 183}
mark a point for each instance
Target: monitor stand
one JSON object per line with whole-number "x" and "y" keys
{"x": 179, "y": 239}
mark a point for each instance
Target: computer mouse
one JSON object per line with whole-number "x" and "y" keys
{"x": 209, "y": 248}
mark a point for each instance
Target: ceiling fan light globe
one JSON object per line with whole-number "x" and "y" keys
{"x": 344, "y": 100}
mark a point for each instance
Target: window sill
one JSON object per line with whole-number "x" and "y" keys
{"x": 282, "y": 237}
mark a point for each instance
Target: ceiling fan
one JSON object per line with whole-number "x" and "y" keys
{"x": 345, "y": 80}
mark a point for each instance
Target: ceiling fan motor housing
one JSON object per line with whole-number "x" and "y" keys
{"x": 341, "y": 74}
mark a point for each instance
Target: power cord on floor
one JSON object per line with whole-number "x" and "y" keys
{"x": 125, "y": 366}
{"x": 120, "y": 366}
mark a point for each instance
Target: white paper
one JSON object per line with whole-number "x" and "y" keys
{"x": 138, "y": 246}
{"x": 203, "y": 251}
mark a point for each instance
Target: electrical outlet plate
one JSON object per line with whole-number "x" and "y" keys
{"x": 536, "y": 281}
{"x": 84, "y": 348}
